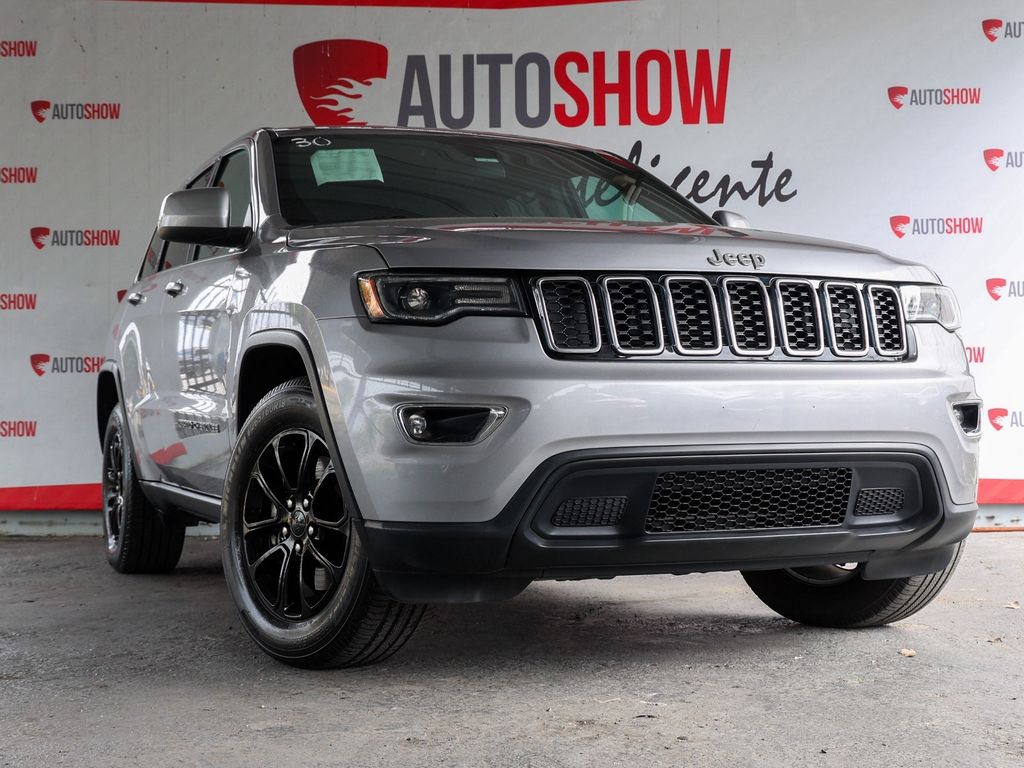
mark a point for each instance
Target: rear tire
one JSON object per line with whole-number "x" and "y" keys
{"x": 831, "y": 596}
{"x": 139, "y": 538}
{"x": 294, "y": 564}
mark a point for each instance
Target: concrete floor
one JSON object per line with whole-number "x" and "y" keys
{"x": 107, "y": 670}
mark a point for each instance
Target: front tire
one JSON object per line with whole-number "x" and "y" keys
{"x": 139, "y": 539}
{"x": 294, "y": 565}
{"x": 838, "y": 596}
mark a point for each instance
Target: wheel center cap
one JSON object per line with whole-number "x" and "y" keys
{"x": 299, "y": 522}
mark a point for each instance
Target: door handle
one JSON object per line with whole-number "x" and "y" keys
{"x": 135, "y": 298}
{"x": 174, "y": 288}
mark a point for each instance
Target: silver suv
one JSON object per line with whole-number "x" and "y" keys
{"x": 408, "y": 366}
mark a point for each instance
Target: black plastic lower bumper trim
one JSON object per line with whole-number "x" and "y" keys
{"x": 457, "y": 562}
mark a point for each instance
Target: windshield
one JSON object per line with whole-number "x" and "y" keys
{"x": 328, "y": 178}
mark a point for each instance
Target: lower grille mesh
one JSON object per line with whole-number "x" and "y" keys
{"x": 879, "y": 501}
{"x": 749, "y": 499}
{"x": 589, "y": 511}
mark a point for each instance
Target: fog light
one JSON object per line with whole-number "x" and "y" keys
{"x": 968, "y": 417}
{"x": 448, "y": 424}
{"x": 417, "y": 424}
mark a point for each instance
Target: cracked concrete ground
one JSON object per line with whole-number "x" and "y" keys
{"x": 100, "y": 669}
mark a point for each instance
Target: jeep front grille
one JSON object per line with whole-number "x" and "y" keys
{"x": 749, "y": 499}
{"x": 722, "y": 317}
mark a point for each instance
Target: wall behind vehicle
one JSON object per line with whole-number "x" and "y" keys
{"x": 892, "y": 125}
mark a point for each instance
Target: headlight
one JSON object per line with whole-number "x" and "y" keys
{"x": 931, "y": 304}
{"x": 437, "y": 299}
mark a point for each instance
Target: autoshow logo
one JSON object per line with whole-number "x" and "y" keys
{"x": 1000, "y": 288}
{"x": 996, "y": 158}
{"x": 18, "y": 427}
{"x": 948, "y": 226}
{"x": 17, "y": 302}
{"x": 901, "y": 96}
{"x": 1001, "y": 418}
{"x": 75, "y": 238}
{"x": 72, "y": 110}
{"x": 42, "y": 364}
{"x": 332, "y": 76}
{"x": 572, "y": 87}
{"x": 19, "y": 174}
{"x": 975, "y": 355}
{"x": 994, "y": 29}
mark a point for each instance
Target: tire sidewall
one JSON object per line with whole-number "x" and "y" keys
{"x": 115, "y": 424}
{"x": 288, "y": 409}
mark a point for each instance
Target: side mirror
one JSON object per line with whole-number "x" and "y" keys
{"x": 200, "y": 217}
{"x": 731, "y": 220}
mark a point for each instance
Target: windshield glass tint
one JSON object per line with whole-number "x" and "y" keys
{"x": 332, "y": 178}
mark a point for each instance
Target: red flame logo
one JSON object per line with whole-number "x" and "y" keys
{"x": 897, "y": 95}
{"x": 997, "y": 417}
{"x": 991, "y": 28}
{"x": 996, "y": 287}
{"x": 993, "y": 158}
{"x": 899, "y": 225}
{"x": 39, "y": 235}
{"x": 331, "y": 74}
{"x": 39, "y": 109}
{"x": 39, "y": 362}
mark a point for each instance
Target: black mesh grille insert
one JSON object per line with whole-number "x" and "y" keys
{"x": 879, "y": 501}
{"x": 570, "y": 314}
{"x": 846, "y": 315}
{"x": 885, "y": 305}
{"x": 800, "y": 323}
{"x": 633, "y": 317}
{"x": 589, "y": 511}
{"x": 746, "y": 499}
{"x": 750, "y": 316}
{"x": 693, "y": 305}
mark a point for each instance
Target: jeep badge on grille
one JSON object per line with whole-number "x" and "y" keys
{"x": 755, "y": 260}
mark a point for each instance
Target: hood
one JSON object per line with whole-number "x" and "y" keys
{"x": 576, "y": 246}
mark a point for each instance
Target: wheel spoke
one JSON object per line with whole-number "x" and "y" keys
{"x": 263, "y": 558}
{"x": 333, "y": 570}
{"x": 257, "y": 475}
{"x": 307, "y": 450}
{"x": 262, "y": 525}
{"x": 276, "y": 445}
{"x": 282, "y": 581}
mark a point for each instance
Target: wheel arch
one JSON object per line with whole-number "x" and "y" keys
{"x": 108, "y": 395}
{"x": 272, "y": 357}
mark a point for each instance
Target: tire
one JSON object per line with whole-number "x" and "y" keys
{"x": 295, "y": 566}
{"x": 833, "y": 596}
{"x": 138, "y": 537}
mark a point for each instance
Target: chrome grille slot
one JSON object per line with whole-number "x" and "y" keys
{"x": 800, "y": 318}
{"x": 693, "y": 315}
{"x": 568, "y": 314}
{"x": 847, "y": 321}
{"x": 885, "y": 309}
{"x": 634, "y": 320}
{"x": 748, "y": 316}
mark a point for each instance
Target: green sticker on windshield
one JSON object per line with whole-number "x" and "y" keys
{"x": 330, "y": 165}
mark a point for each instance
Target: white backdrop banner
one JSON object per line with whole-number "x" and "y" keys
{"x": 895, "y": 125}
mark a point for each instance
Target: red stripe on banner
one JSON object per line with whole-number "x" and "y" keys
{"x": 47, "y": 498}
{"x": 87, "y": 496}
{"x": 488, "y": 5}
{"x": 1001, "y": 492}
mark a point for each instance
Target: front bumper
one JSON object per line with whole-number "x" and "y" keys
{"x": 558, "y": 406}
{"x": 457, "y": 522}
{"x": 445, "y": 562}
